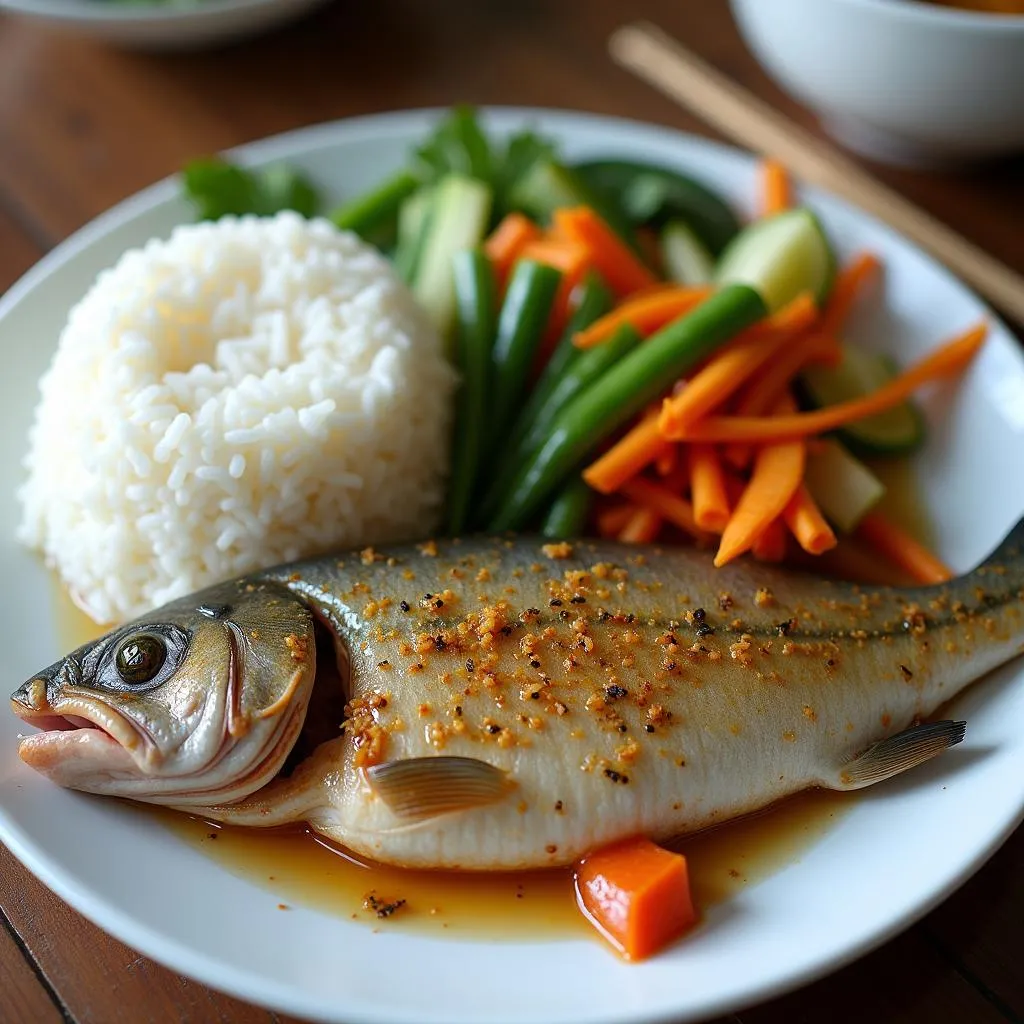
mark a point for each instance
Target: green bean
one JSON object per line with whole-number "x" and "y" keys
{"x": 474, "y": 310}
{"x": 568, "y": 514}
{"x": 595, "y": 301}
{"x": 622, "y": 392}
{"x": 374, "y": 215}
{"x": 521, "y": 324}
{"x": 589, "y": 367}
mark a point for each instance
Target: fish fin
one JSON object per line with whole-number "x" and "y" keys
{"x": 896, "y": 754}
{"x": 416, "y": 788}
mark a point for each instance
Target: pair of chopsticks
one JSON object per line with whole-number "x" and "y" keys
{"x": 737, "y": 113}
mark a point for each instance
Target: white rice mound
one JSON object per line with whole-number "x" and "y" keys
{"x": 248, "y": 392}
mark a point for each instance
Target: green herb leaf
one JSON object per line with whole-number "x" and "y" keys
{"x": 217, "y": 188}
{"x": 458, "y": 144}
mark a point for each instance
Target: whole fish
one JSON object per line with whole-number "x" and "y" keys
{"x": 511, "y": 703}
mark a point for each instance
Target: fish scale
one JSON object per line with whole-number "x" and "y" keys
{"x": 512, "y": 703}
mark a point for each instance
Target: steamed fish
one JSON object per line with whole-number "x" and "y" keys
{"x": 492, "y": 704}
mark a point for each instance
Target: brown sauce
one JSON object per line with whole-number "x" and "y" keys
{"x": 297, "y": 867}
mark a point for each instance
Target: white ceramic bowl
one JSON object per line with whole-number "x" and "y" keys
{"x": 161, "y": 25}
{"x": 897, "y": 80}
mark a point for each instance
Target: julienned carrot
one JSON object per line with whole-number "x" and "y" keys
{"x": 807, "y": 524}
{"x": 778, "y": 472}
{"x": 642, "y": 527}
{"x": 612, "y": 521}
{"x": 507, "y": 241}
{"x": 666, "y": 462}
{"x": 848, "y": 284}
{"x": 947, "y": 360}
{"x": 770, "y": 543}
{"x": 707, "y": 489}
{"x": 729, "y": 369}
{"x": 665, "y": 502}
{"x": 771, "y": 384}
{"x": 637, "y": 449}
{"x": 900, "y": 548}
{"x": 637, "y": 895}
{"x": 616, "y": 262}
{"x": 647, "y": 313}
{"x": 852, "y": 560}
{"x": 776, "y": 193}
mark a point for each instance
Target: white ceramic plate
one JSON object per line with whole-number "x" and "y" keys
{"x": 163, "y": 25}
{"x": 903, "y": 847}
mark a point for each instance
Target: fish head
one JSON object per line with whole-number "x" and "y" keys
{"x": 199, "y": 701}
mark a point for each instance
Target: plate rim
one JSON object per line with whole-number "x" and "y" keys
{"x": 180, "y": 957}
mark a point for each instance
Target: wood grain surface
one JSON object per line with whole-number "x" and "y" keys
{"x": 83, "y": 125}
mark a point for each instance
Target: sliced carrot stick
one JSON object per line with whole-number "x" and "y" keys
{"x": 778, "y": 472}
{"x": 637, "y": 449}
{"x": 848, "y": 284}
{"x": 776, "y": 192}
{"x": 807, "y": 524}
{"x": 646, "y": 312}
{"x": 727, "y": 370}
{"x": 666, "y": 462}
{"x": 637, "y": 895}
{"x": 899, "y": 547}
{"x": 770, "y": 543}
{"x": 947, "y": 360}
{"x": 666, "y": 502}
{"x": 707, "y": 489}
{"x": 853, "y": 560}
{"x": 507, "y": 240}
{"x": 643, "y": 526}
{"x": 617, "y": 263}
{"x": 612, "y": 521}
{"x": 772, "y": 383}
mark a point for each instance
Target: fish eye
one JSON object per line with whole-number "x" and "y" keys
{"x": 139, "y": 658}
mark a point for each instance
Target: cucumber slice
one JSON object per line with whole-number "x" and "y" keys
{"x": 780, "y": 257}
{"x": 461, "y": 208}
{"x": 844, "y": 488}
{"x": 897, "y": 431}
{"x": 685, "y": 257}
{"x": 414, "y": 217}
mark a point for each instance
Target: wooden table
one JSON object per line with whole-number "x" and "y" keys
{"x": 82, "y": 126}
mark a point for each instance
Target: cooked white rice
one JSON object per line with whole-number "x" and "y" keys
{"x": 245, "y": 393}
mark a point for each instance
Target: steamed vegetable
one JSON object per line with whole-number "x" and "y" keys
{"x": 947, "y": 360}
{"x": 474, "y": 301}
{"x": 637, "y": 895}
{"x": 623, "y": 391}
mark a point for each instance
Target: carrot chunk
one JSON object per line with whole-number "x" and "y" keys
{"x": 637, "y": 895}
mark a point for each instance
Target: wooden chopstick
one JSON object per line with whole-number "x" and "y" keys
{"x": 653, "y": 55}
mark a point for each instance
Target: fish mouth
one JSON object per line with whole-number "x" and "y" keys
{"x": 76, "y": 725}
